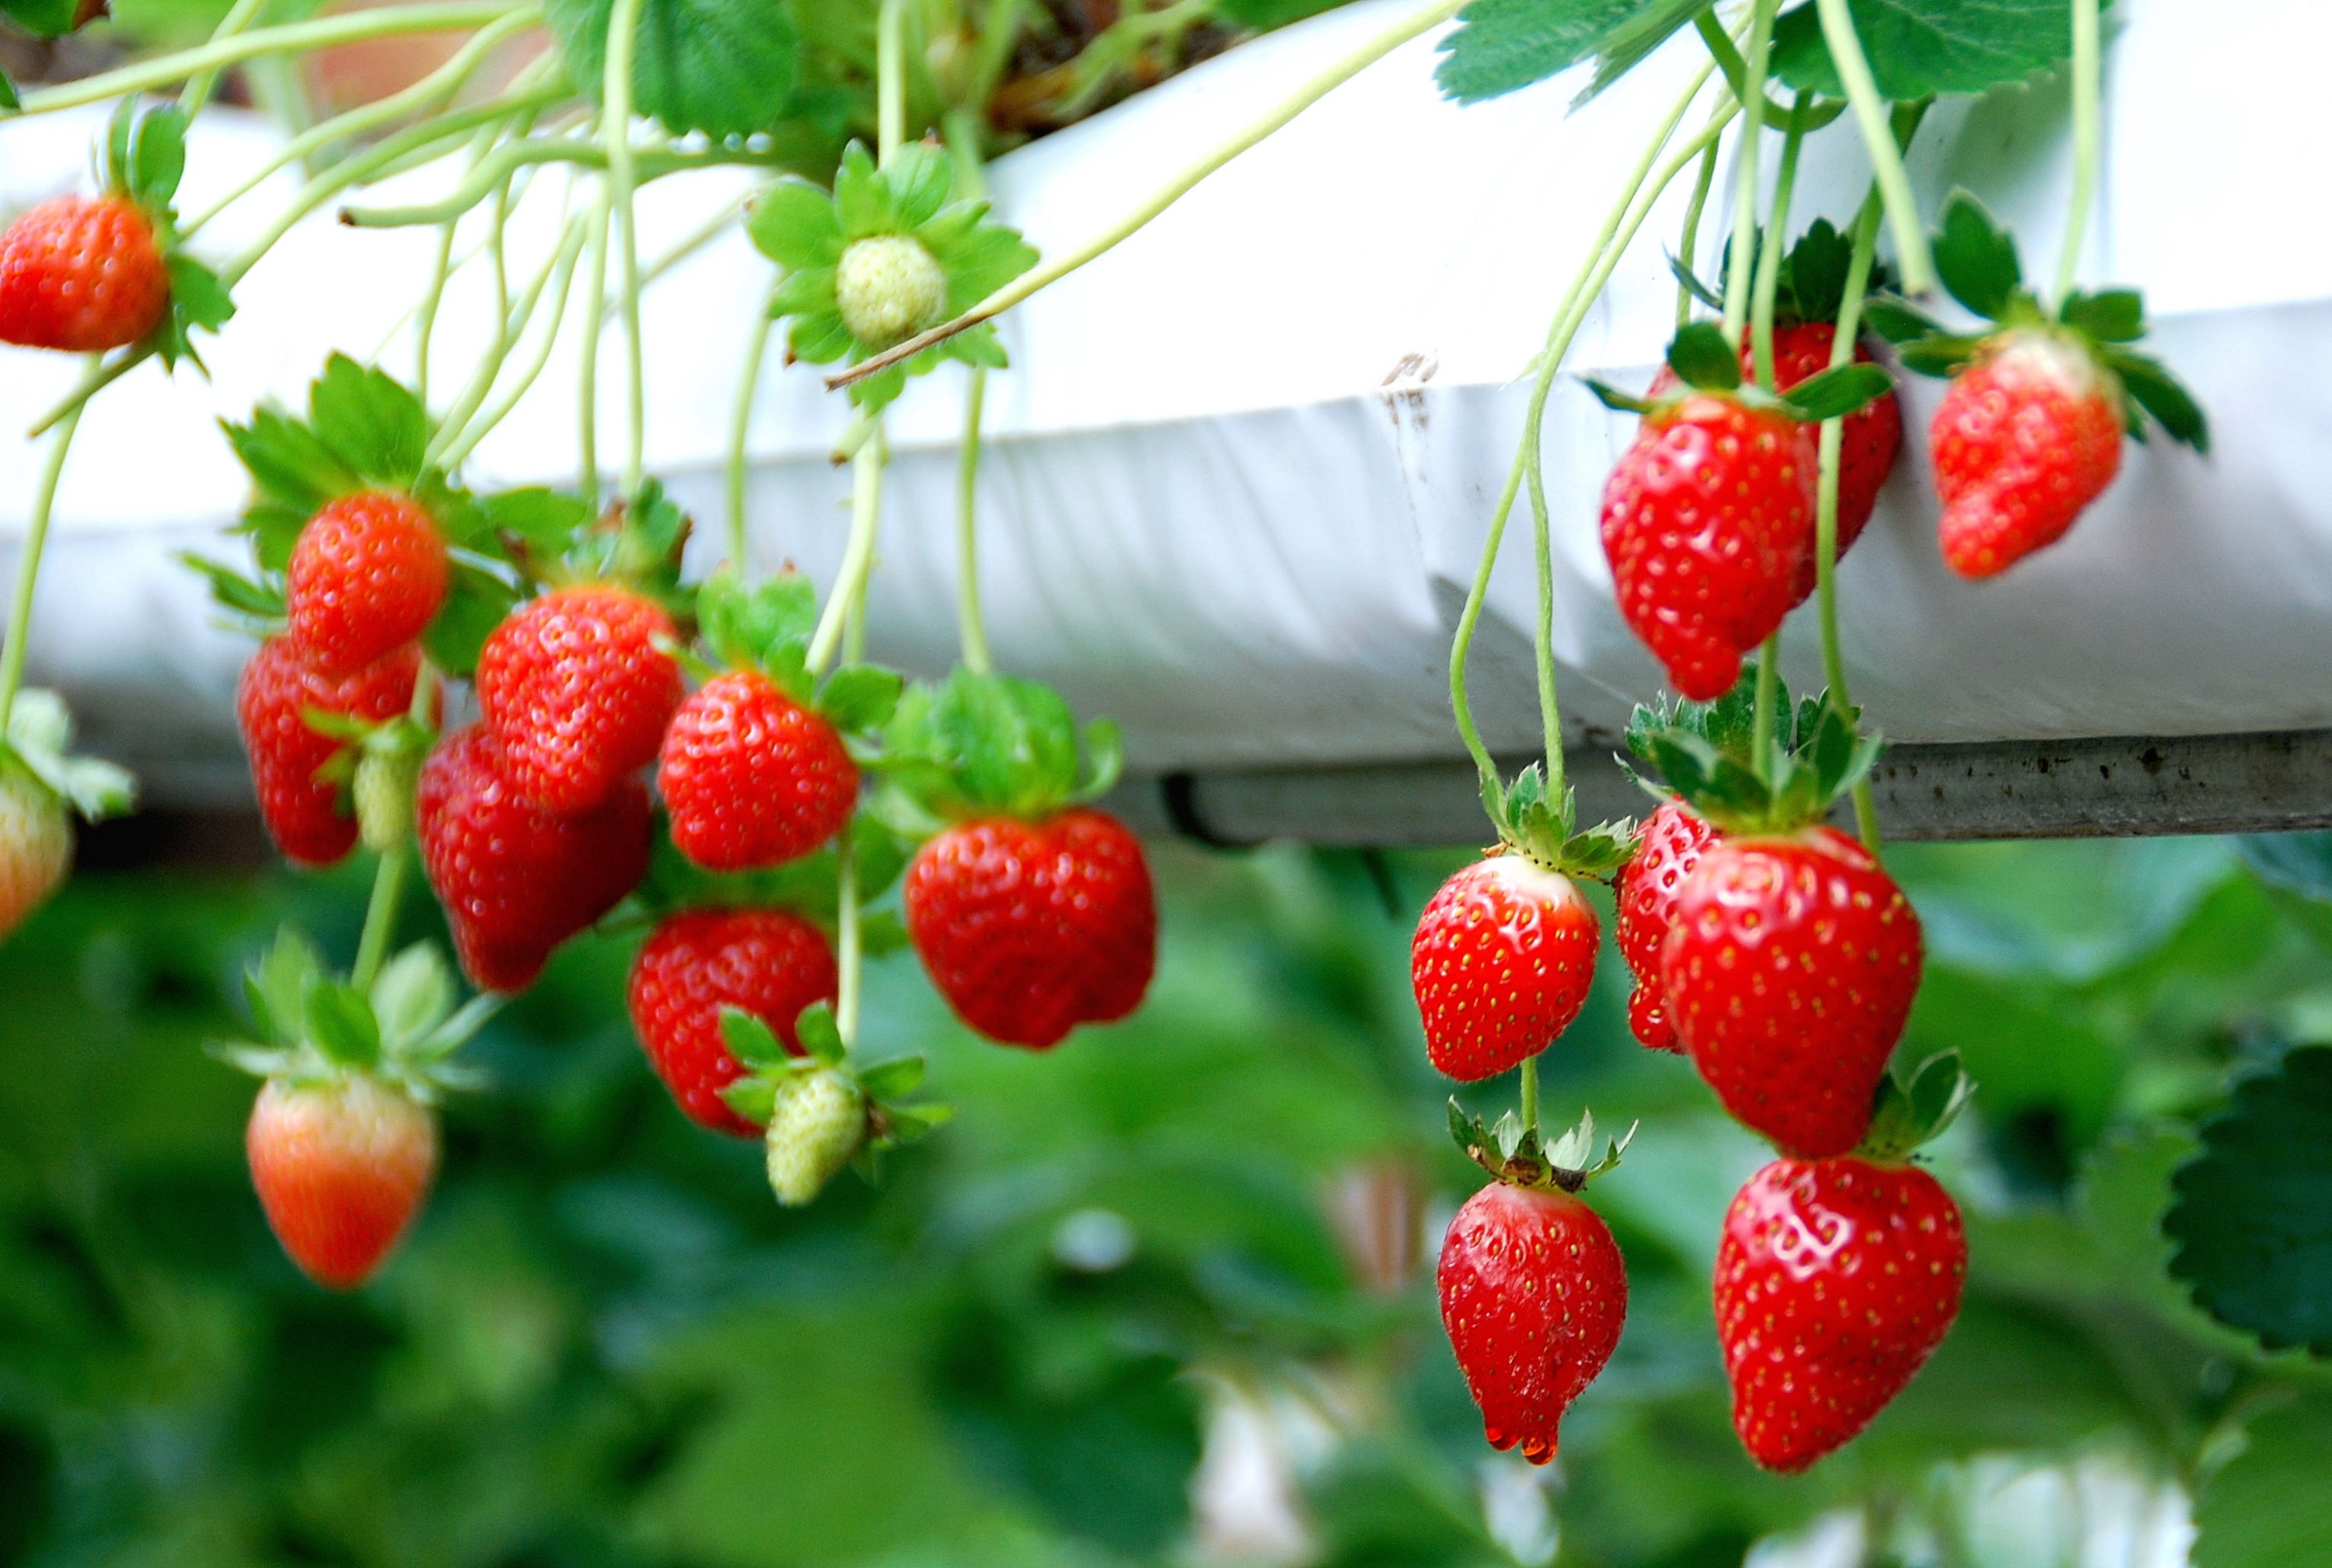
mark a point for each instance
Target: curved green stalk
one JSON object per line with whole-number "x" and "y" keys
{"x": 1690, "y": 241}
{"x": 562, "y": 280}
{"x": 616, "y": 126}
{"x": 890, "y": 82}
{"x": 2087, "y": 70}
{"x": 1745, "y": 169}
{"x": 586, "y": 369}
{"x": 970, "y": 626}
{"x": 1530, "y": 1092}
{"x": 1769, "y": 259}
{"x": 380, "y": 917}
{"x": 429, "y": 92}
{"x": 18, "y": 640}
{"x": 424, "y": 320}
{"x": 740, "y": 419}
{"x": 1833, "y": 446}
{"x": 857, "y": 556}
{"x": 1871, "y": 114}
{"x": 199, "y": 88}
{"x": 1761, "y": 726}
{"x": 849, "y": 959}
{"x": 349, "y": 27}
{"x": 1419, "y": 22}
{"x": 510, "y": 157}
{"x": 1617, "y": 232}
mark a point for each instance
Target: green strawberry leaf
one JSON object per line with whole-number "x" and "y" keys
{"x": 860, "y": 698}
{"x": 10, "y": 99}
{"x": 1501, "y": 46}
{"x": 766, "y": 627}
{"x": 882, "y": 933}
{"x": 1690, "y": 281}
{"x": 727, "y": 68}
{"x": 197, "y": 298}
{"x": 819, "y": 1035}
{"x": 1613, "y": 398}
{"x": 1702, "y": 359}
{"x": 1906, "y": 1115}
{"x": 1836, "y": 392}
{"x": 277, "y": 987}
{"x": 1944, "y": 354}
{"x": 476, "y": 602}
{"x": 293, "y": 473}
{"x": 2252, "y": 1229}
{"x": 980, "y": 257}
{"x": 1896, "y": 319}
{"x": 2264, "y": 1506}
{"x": 2112, "y": 316}
{"x": 1976, "y": 258}
{"x": 2150, "y": 383}
{"x": 375, "y": 426}
{"x": 751, "y": 1041}
{"x": 1919, "y": 48}
{"x": 340, "y": 1023}
{"x": 1811, "y": 283}
{"x": 862, "y": 197}
{"x": 543, "y": 523}
{"x": 412, "y": 995}
{"x": 889, "y": 1080}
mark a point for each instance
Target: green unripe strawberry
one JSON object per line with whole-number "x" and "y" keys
{"x": 383, "y": 793}
{"x": 816, "y": 1128}
{"x": 888, "y": 288}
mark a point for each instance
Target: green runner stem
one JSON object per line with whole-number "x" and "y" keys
{"x": 1769, "y": 259}
{"x": 616, "y": 126}
{"x": 1530, "y": 1092}
{"x": 1689, "y": 242}
{"x": 1871, "y": 114}
{"x": 380, "y": 917}
{"x": 1761, "y": 729}
{"x": 849, "y": 957}
{"x": 857, "y": 556}
{"x": 28, "y": 564}
{"x": 890, "y": 82}
{"x": 1833, "y": 446}
{"x": 587, "y": 371}
{"x": 199, "y": 88}
{"x": 741, "y": 420}
{"x": 970, "y": 626}
{"x": 2087, "y": 70}
{"x": 1745, "y": 169}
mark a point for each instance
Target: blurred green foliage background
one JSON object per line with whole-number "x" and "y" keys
{"x": 1162, "y": 1295}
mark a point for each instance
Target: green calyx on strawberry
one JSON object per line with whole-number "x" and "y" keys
{"x": 1539, "y": 827}
{"x": 315, "y": 1027}
{"x": 380, "y": 768}
{"x": 1976, "y": 260}
{"x": 979, "y": 746}
{"x": 1908, "y": 1113}
{"x": 1810, "y": 286}
{"x": 822, "y": 1112}
{"x": 1705, "y": 363}
{"x": 40, "y": 739}
{"x": 1706, "y": 754}
{"x": 809, "y": 887}
{"x": 887, "y": 256}
{"x": 766, "y": 627}
{"x": 144, "y": 157}
{"x": 1521, "y": 1156}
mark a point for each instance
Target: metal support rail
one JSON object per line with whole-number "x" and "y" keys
{"x": 2124, "y": 787}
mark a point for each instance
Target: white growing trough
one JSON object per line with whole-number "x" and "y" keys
{"x": 1236, "y": 480}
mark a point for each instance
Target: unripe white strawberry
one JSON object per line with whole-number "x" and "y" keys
{"x": 816, "y": 1128}
{"x": 383, "y": 793}
{"x": 888, "y": 288}
{"x": 37, "y": 842}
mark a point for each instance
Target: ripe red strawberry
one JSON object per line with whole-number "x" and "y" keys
{"x": 1789, "y": 968}
{"x": 36, "y": 842}
{"x": 575, "y": 693}
{"x": 1708, "y": 520}
{"x": 1835, "y": 1281}
{"x": 766, "y": 962}
{"x": 1029, "y": 928}
{"x": 1501, "y": 964}
{"x": 752, "y": 777}
{"x": 1668, "y": 846}
{"x": 1870, "y": 437}
{"x": 1534, "y": 1293}
{"x": 2024, "y": 439}
{"x": 82, "y": 273}
{"x": 341, "y": 1168}
{"x": 368, "y": 575}
{"x": 516, "y": 880}
{"x": 279, "y": 686}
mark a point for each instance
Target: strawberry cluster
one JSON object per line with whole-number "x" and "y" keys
{"x": 380, "y": 582}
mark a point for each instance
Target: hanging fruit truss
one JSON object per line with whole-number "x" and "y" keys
{"x": 794, "y": 782}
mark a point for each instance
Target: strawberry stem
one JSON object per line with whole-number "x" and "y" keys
{"x": 587, "y": 373}
{"x": 1636, "y": 200}
{"x": 970, "y": 626}
{"x": 1690, "y": 243}
{"x": 381, "y": 916}
{"x": 850, "y": 954}
{"x": 857, "y": 556}
{"x": 1870, "y": 113}
{"x": 563, "y": 267}
{"x": 616, "y": 126}
{"x": 199, "y": 88}
{"x": 2087, "y": 70}
{"x": 1833, "y": 447}
{"x": 890, "y": 83}
{"x": 424, "y": 321}
{"x": 1530, "y": 1093}
{"x": 1744, "y": 168}
{"x": 1761, "y": 723}
{"x": 1769, "y": 261}
{"x": 740, "y": 419}
{"x": 1419, "y": 22}
{"x": 28, "y": 561}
